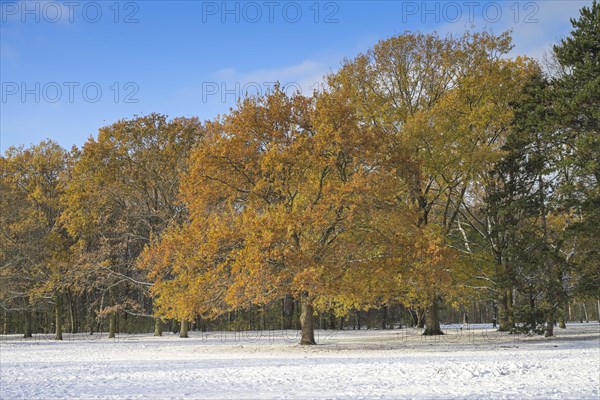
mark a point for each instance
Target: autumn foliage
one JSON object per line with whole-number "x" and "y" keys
{"x": 390, "y": 187}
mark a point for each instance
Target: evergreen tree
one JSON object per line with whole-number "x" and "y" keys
{"x": 577, "y": 102}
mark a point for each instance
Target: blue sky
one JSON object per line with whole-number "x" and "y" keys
{"x": 69, "y": 68}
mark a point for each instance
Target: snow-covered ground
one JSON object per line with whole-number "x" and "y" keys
{"x": 476, "y": 363}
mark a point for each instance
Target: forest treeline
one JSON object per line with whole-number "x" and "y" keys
{"x": 432, "y": 174}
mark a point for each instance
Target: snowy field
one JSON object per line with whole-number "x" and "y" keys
{"x": 476, "y": 363}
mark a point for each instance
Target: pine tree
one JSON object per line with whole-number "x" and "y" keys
{"x": 577, "y": 101}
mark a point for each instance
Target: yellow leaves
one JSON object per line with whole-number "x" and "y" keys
{"x": 272, "y": 201}
{"x": 348, "y": 195}
{"x": 33, "y": 247}
{"x": 430, "y": 269}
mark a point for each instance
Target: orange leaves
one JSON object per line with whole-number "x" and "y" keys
{"x": 348, "y": 195}
{"x": 275, "y": 200}
{"x": 435, "y": 268}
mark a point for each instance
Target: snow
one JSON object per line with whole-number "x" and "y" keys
{"x": 477, "y": 363}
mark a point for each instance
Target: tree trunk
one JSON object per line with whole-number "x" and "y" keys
{"x": 90, "y": 321}
{"x": 549, "y": 324}
{"x": 532, "y": 319}
{"x": 331, "y": 322}
{"x": 201, "y": 324}
{"x": 384, "y": 317}
{"x": 420, "y": 318}
{"x": 287, "y": 311}
{"x": 432, "y": 320}
{"x": 263, "y": 318}
{"x": 400, "y": 313}
{"x": 414, "y": 318}
{"x": 504, "y": 310}
{"x": 306, "y": 321}
{"x": 357, "y": 319}
{"x": 183, "y": 331}
{"x": 28, "y": 331}
{"x": 58, "y": 315}
{"x": 74, "y": 315}
{"x": 561, "y": 320}
{"x": 5, "y": 323}
{"x": 112, "y": 318}
{"x": 561, "y": 317}
{"x": 112, "y": 325}
{"x": 158, "y": 328}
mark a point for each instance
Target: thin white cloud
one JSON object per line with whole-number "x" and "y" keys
{"x": 537, "y": 39}
{"x": 305, "y": 73}
{"x": 536, "y": 26}
{"x": 227, "y": 85}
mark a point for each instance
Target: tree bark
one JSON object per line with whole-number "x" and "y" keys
{"x": 201, "y": 324}
{"x": 331, "y": 323}
{"x": 112, "y": 318}
{"x": 549, "y": 324}
{"x": 532, "y": 319}
{"x": 306, "y": 321}
{"x": 504, "y": 312}
{"x": 561, "y": 317}
{"x": 287, "y": 311}
{"x": 73, "y": 315}
{"x": 384, "y": 317}
{"x": 28, "y": 331}
{"x": 263, "y": 318}
{"x": 357, "y": 319}
{"x": 5, "y": 323}
{"x": 420, "y": 318}
{"x": 432, "y": 320}
{"x": 112, "y": 325}
{"x": 158, "y": 328}
{"x": 414, "y": 318}
{"x": 58, "y": 315}
{"x": 570, "y": 314}
{"x": 561, "y": 320}
{"x": 183, "y": 330}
